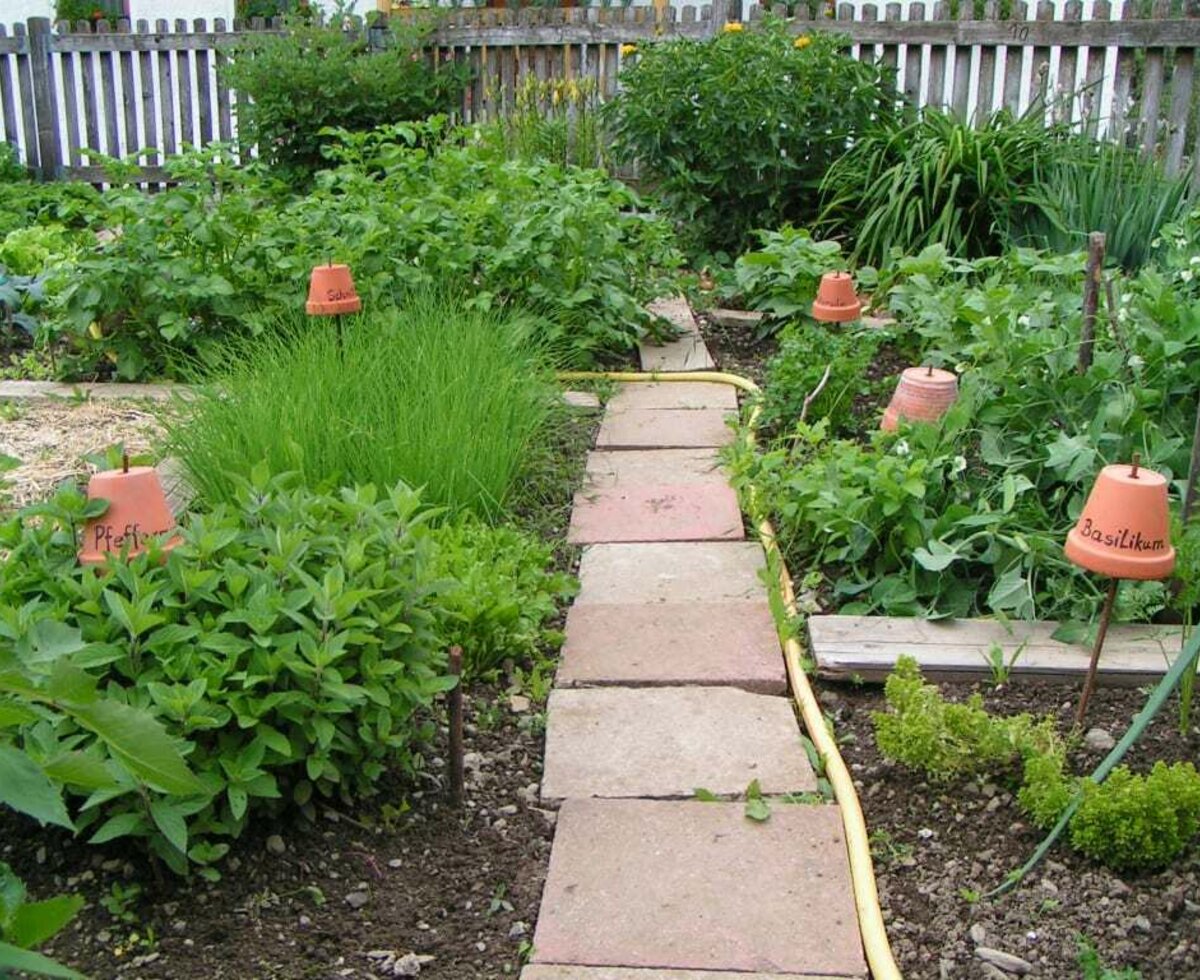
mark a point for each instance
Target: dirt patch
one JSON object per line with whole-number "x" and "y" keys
{"x": 939, "y": 847}
{"x": 53, "y": 440}
{"x": 350, "y": 896}
{"x": 738, "y": 350}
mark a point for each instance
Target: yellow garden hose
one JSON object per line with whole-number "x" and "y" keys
{"x": 862, "y": 871}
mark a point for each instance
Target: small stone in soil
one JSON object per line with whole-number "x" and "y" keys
{"x": 276, "y": 845}
{"x": 1098, "y": 740}
{"x": 1004, "y": 961}
{"x": 356, "y": 900}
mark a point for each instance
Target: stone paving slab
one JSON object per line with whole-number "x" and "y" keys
{"x": 685, "y": 885}
{"x": 656, "y": 512}
{"x": 685, "y": 353}
{"x": 674, "y": 394}
{"x": 666, "y": 742}
{"x": 623, "y": 973}
{"x": 582, "y": 399}
{"x": 709, "y": 571}
{"x": 653, "y": 428}
{"x": 732, "y": 644}
{"x": 736, "y": 319}
{"x": 99, "y": 390}
{"x": 610, "y": 470}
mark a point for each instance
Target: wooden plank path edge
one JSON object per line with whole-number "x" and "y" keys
{"x": 867, "y": 648}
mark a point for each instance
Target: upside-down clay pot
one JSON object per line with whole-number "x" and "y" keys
{"x": 1124, "y": 530}
{"x": 331, "y": 291}
{"x": 924, "y": 394}
{"x": 836, "y": 300}
{"x": 137, "y": 510}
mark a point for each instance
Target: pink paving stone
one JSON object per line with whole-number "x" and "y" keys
{"x": 676, "y": 394}
{"x": 721, "y": 643}
{"x": 650, "y": 428}
{"x": 684, "y": 885}
{"x": 629, "y": 468}
{"x": 623, "y": 973}
{"x": 664, "y": 512}
{"x": 671, "y": 571}
{"x": 665, "y": 742}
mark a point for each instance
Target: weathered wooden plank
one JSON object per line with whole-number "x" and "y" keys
{"x": 45, "y": 98}
{"x": 1068, "y": 66}
{"x": 1152, "y": 87}
{"x": 128, "y": 95}
{"x": 71, "y": 108}
{"x": 192, "y": 41}
{"x": 108, "y": 94}
{"x": 204, "y": 102}
{"x": 8, "y": 98}
{"x": 1014, "y": 57}
{"x": 869, "y": 646}
{"x": 987, "y": 68}
{"x": 224, "y": 102}
{"x": 1093, "y": 79}
{"x": 1181, "y": 106}
{"x": 960, "y": 95}
{"x": 166, "y": 94}
{"x": 183, "y": 78}
{"x": 29, "y": 136}
{"x": 935, "y": 93}
{"x": 890, "y": 55}
{"x": 149, "y": 112}
{"x": 912, "y": 59}
{"x": 1123, "y": 86}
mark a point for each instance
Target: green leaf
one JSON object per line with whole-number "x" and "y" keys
{"x": 937, "y": 557}
{"x": 122, "y": 825}
{"x": 705, "y": 795}
{"x": 25, "y": 788}
{"x": 26, "y": 960}
{"x": 79, "y": 769}
{"x": 141, "y": 743}
{"x": 168, "y": 819}
{"x": 35, "y": 922}
{"x": 49, "y": 640}
{"x": 12, "y": 714}
{"x": 757, "y": 809}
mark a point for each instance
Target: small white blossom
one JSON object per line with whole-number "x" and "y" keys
{"x": 902, "y": 448}
{"x": 960, "y": 464}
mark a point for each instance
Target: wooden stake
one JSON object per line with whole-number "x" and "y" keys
{"x": 1091, "y": 298}
{"x": 1089, "y": 683}
{"x": 456, "y": 728}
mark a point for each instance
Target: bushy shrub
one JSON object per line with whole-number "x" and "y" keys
{"x": 736, "y": 132}
{"x": 938, "y": 179}
{"x": 781, "y": 276}
{"x": 289, "y": 642}
{"x": 308, "y": 79}
{"x": 439, "y": 395}
{"x": 944, "y": 739}
{"x": 229, "y": 247}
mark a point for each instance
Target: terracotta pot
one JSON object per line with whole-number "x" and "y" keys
{"x": 1124, "y": 530}
{"x": 137, "y": 510}
{"x": 924, "y": 394}
{"x": 836, "y": 300}
{"x": 331, "y": 291}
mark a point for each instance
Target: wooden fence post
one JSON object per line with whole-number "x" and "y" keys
{"x": 45, "y": 99}
{"x": 720, "y": 16}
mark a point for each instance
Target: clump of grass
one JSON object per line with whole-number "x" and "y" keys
{"x": 433, "y": 393}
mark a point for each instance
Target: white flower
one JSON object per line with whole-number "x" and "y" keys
{"x": 960, "y": 464}
{"x": 1137, "y": 362}
{"x": 902, "y": 448}
{"x": 1023, "y": 320}
{"x": 1194, "y": 260}
{"x": 1186, "y": 275}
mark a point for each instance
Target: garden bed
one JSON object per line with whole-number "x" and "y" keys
{"x": 939, "y": 847}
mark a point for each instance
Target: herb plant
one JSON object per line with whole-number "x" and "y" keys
{"x": 25, "y": 925}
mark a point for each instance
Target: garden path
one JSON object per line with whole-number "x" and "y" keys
{"x": 672, "y": 680}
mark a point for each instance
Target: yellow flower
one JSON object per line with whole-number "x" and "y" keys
{"x": 628, "y": 49}
{"x": 734, "y": 27}
{"x": 803, "y": 41}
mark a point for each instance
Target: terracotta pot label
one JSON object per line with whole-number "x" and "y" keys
{"x": 1122, "y": 540}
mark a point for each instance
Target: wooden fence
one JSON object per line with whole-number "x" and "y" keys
{"x": 66, "y": 91}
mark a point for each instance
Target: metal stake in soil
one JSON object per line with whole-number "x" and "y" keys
{"x": 456, "y": 728}
{"x": 1089, "y": 683}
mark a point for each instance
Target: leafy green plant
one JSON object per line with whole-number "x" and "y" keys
{"x": 736, "y": 132}
{"x": 782, "y": 276}
{"x": 945, "y": 739}
{"x": 1108, "y": 188}
{"x": 288, "y": 645}
{"x": 1094, "y": 969}
{"x": 304, "y": 81}
{"x": 553, "y": 119}
{"x": 502, "y": 595}
{"x": 25, "y": 925}
{"x": 434, "y": 394}
{"x": 937, "y": 178}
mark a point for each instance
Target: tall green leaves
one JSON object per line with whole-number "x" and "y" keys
{"x": 938, "y": 179}
{"x": 435, "y": 394}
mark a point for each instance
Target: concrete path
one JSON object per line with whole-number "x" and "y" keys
{"x": 672, "y": 681}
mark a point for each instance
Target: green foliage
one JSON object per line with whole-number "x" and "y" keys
{"x": 502, "y": 597}
{"x": 11, "y": 168}
{"x": 553, "y": 120}
{"x": 289, "y": 642}
{"x": 736, "y": 132}
{"x": 1108, "y": 188}
{"x": 1132, "y": 822}
{"x": 781, "y": 277}
{"x": 968, "y": 517}
{"x": 937, "y": 179}
{"x": 90, "y": 10}
{"x": 432, "y": 393}
{"x": 308, "y": 79}
{"x": 25, "y": 925}
{"x": 945, "y": 739}
{"x": 805, "y": 351}
{"x": 24, "y": 203}
{"x": 230, "y": 248}
{"x": 1094, "y": 969}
